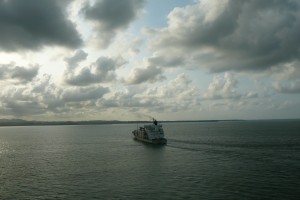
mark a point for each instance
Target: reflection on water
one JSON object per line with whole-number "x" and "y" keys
{"x": 4, "y": 147}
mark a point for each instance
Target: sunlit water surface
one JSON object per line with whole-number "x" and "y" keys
{"x": 223, "y": 160}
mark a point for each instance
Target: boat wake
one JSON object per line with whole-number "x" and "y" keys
{"x": 227, "y": 146}
{"x": 185, "y": 144}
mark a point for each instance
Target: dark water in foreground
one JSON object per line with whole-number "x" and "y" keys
{"x": 224, "y": 160}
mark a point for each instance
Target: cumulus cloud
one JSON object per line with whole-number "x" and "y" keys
{"x": 112, "y": 16}
{"x": 73, "y": 61}
{"x": 128, "y": 99}
{"x": 22, "y": 108}
{"x": 176, "y": 95}
{"x": 21, "y": 101}
{"x": 18, "y": 73}
{"x": 174, "y": 89}
{"x": 225, "y": 87}
{"x": 222, "y": 88}
{"x": 149, "y": 74}
{"x": 228, "y": 38}
{"x": 288, "y": 87}
{"x": 83, "y": 94}
{"x": 31, "y": 24}
{"x": 43, "y": 97}
{"x": 231, "y": 35}
{"x": 103, "y": 70}
{"x": 166, "y": 60}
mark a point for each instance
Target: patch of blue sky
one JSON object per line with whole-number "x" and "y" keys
{"x": 156, "y": 12}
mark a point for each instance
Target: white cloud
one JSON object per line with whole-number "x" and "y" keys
{"x": 174, "y": 96}
{"x": 42, "y": 97}
{"x": 226, "y": 88}
{"x": 78, "y": 56}
{"x": 83, "y": 94}
{"x": 18, "y": 73}
{"x": 103, "y": 70}
{"x": 290, "y": 87}
{"x": 139, "y": 69}
{"x": 222, "y": 88}
{"x": 232, "y": 35}
{"x": 149, "y": 74}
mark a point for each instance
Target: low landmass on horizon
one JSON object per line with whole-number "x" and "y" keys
{"x": 21, "y": 122}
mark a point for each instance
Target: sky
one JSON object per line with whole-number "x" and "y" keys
{"x": 131, "y": 59}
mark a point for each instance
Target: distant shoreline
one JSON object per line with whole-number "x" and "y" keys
{"x": 20, "y": 122}
{"x": 91, "y": 122}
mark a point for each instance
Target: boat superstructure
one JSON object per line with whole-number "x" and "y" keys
{"x": 150, "y": 133}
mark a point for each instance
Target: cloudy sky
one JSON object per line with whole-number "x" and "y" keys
{"x": 128, "y": 59}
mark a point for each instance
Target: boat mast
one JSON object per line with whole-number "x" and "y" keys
{"x": 154, "y": 121}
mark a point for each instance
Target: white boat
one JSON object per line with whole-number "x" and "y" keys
{"x": 150, "y": 133}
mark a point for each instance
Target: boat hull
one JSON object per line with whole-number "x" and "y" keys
{"x": 154, "y": 141}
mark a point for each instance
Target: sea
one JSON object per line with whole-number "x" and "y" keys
{"x": 202, "y": 160}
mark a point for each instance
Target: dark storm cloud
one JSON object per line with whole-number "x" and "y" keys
{"x": 20, "y": 74}
{"x": 112, "y": 16}
{"x": 233, "y": 35}
{"x": 31, "y": 24}
{"x": 103, "y": 70}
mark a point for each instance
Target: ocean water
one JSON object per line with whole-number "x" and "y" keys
{"x": 222, "y": 160}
